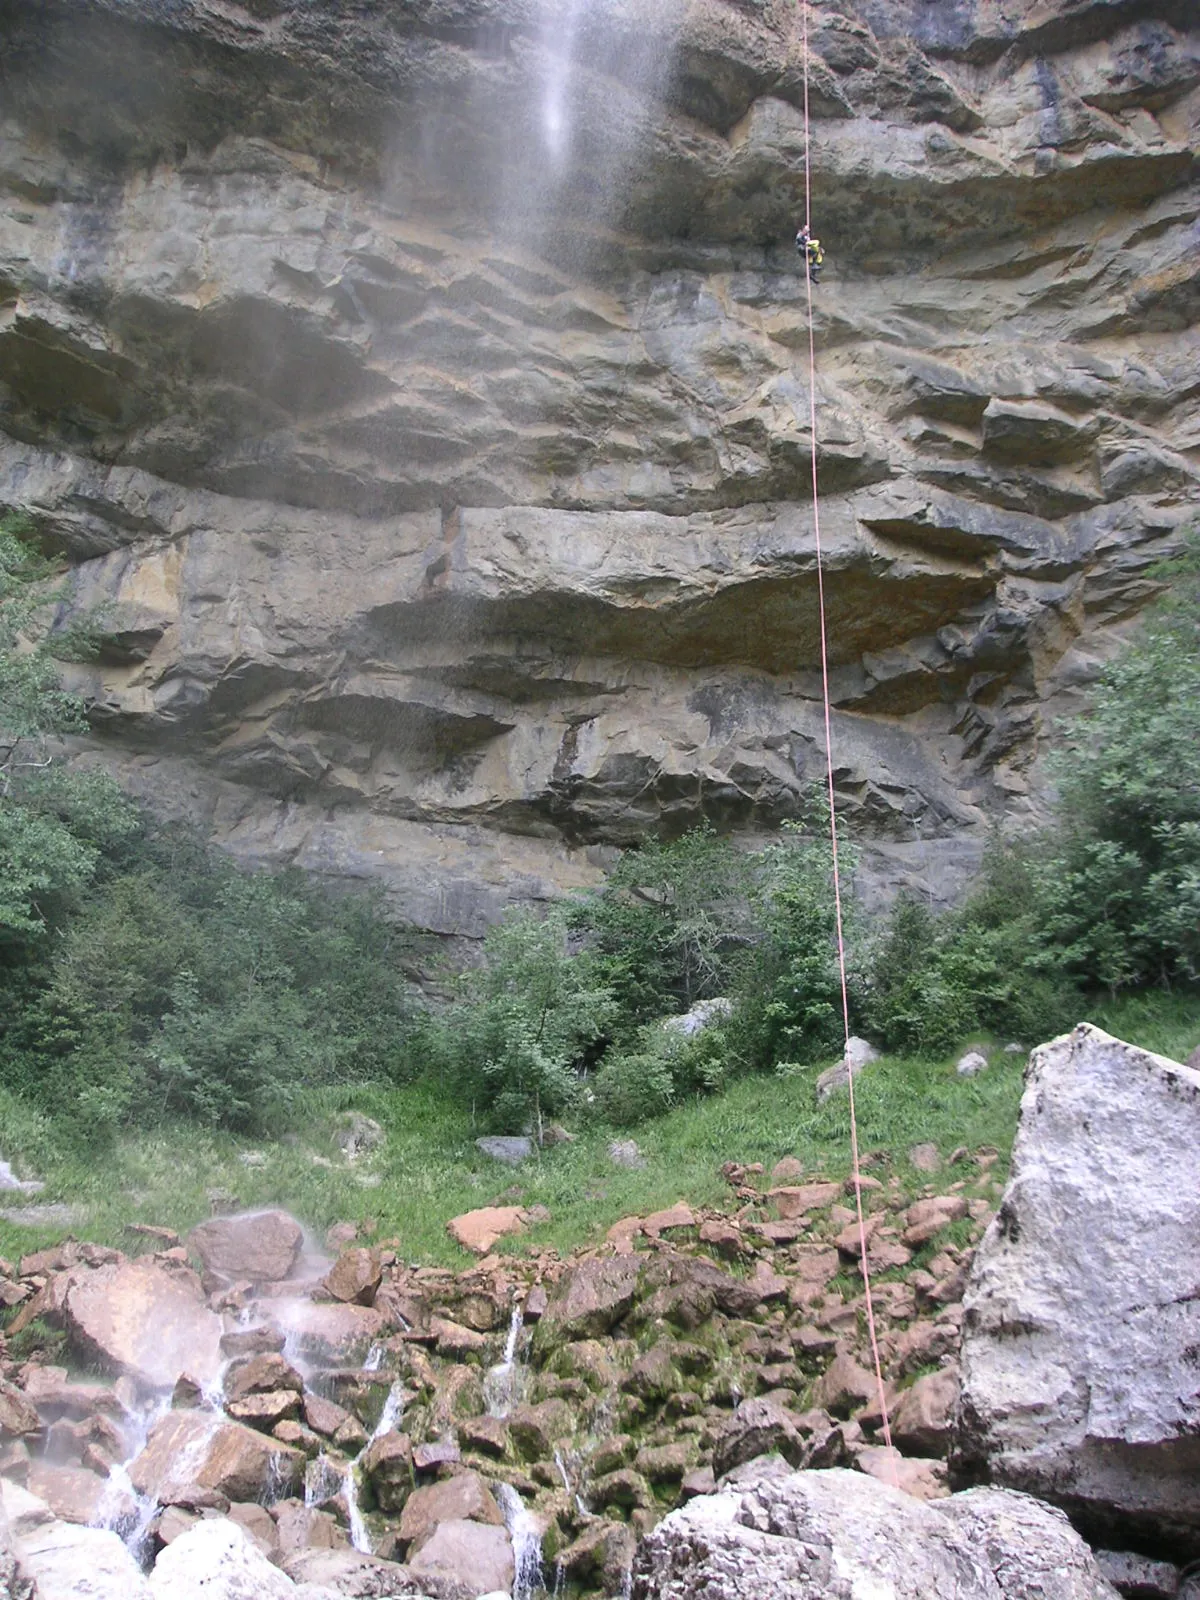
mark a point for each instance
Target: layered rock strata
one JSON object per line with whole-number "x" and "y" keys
{"x": 429, "y": 393}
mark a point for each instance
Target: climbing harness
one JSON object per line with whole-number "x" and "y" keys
{"x": 837, "y": 886}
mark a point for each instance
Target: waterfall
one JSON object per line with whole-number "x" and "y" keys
{"x": 526, "y": 1534}
{"x": 389, "y": 1418}
{"x": 505, "y": 1383}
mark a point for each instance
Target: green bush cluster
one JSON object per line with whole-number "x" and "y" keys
{"x": 141, "y": 975}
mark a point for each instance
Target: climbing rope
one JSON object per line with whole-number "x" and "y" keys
{"x": 833, "y": 838}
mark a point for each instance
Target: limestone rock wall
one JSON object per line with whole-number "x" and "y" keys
{"x": 427, "y": 387}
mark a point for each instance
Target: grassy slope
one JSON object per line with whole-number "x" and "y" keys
{"x": 429, "y": 1169}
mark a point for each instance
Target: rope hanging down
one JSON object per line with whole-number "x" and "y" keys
{"x": 837, "y": 885}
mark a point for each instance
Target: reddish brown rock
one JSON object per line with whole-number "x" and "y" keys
{"x": 924, "y": 1480}
{"x": 355, "y": 1276}
{"x": 324, "y": 1416}
{"x": 928, "y": 1217}
{"x": 440, "y": 1453}
{"x": 478, "y": 1231}
{"x": 454, "y": 1341}
{"x": 187, "y": 1448}
{"x": 723, "y": 1237}
{"x": 465, "y": 1497}
{"x": 473, "y": 1554}
{"x": 301, "y": 1527}
{"x": 264, "y": 1411}
{"x": 261, "y": 1246}
{"x": 674, "y": 1219}
{"x": 795, "y": 1200}
{"x": 260, "y": 1375}
{"x": 334, "y": 1335}
{"x": 145, "y": 1320}
{"x": 489, "y": 1435}
{"x": 18, "y": 1416}
{"x": 924, "y": 1416}
{"x": 844, "y": 1386}
{"x": 72, "y": 1493}
{"x": 388, "y": 1465}
{"x": 591, "y": 1297}
{"x": 258, "y": 1522}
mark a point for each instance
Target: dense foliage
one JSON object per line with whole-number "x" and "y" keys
{"x": 142, "y": 976}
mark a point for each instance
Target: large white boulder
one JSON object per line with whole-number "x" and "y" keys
{"x": 1082, "y": 1314}
{"x": 840, "y": 1535}
{"x": 217, "y": 1560}
{"x": 52, "y": 1560}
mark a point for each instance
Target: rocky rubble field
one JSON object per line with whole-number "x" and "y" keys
{"x": 239, "y": 1403}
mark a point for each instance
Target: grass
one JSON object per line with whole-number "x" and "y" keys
{"x": 429, "y": 1170}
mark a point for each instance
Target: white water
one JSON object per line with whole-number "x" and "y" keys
{"x": 389, "y": 1418}
{"x": 504, "y": 1384}
{"x": 581, "y": 1504}
{"x": 526, "y": 1534}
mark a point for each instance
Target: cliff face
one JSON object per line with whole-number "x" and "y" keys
{"x": 427, "y": 385}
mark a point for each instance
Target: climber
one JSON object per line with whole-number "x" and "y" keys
{"x": 810, "y": 249}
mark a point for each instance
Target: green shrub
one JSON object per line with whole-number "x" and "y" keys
{"x": 668, "y": 925}
{"x": 1121, "y": 896}
{"x": 525, "y": 1022}
{"x": 656, "y": 1070}
{"x": 789, "y": 997}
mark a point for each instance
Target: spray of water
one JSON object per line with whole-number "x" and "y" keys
{"x": 505, "y": 1383}
{"x": 526, "y": 1534}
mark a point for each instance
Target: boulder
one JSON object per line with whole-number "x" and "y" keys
{"x": 817, "y": 1535}
{"x": 478, "y": 1231}
{"x": 332, "y": 1335}
{"x": 704, "y": 1014}
{"x": 1031, "y": 1547}
{"x": 349, "y": 1572}
{"x": 509, "y": 1149}
{"x": 626, "y": 1153}
{"x": 463, "y": 1498}
{"x": 924, "y": 1415}
{"x": 261, "y": 1374}
{"x": 146, "y": 1321}
{"x": 591, "y": 1298}
{"x": 1139, "y": 1577}
{"x": 796, "y": 1200}
{"x": 258, "y": 1247}
{"x": 73, "y": 1563}
{"x": 1081, "y": 1319}
{"x": 387, "y": 1465}
{"x": 199, "y": 1447}
{"x": 757, "y": 1428}
{"x": 355, "y": 1276}
{"x": 73, "y": 1493}
{"x": 971, "y": 1064}
{"x": 357, "y": 1135}
{"x": 470, "y": 1553}
{"x": 927, "y": 1218}
{"x": 18, "y": 1416}
{"x": 217, "y": 1560}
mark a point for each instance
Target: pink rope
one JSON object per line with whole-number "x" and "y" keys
{"x": 837, "y": 883}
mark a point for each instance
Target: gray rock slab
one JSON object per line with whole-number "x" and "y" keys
{"x": 510, "y": 1149}
{"x": 839, "y": 1535}
{"x": 1081, "y": 1313}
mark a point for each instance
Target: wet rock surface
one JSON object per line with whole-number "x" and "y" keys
{"x": 431, "y": 398}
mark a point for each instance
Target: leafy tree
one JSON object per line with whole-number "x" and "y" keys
{"x": 669, "y": 923}
{"x": 526, "y": 1021}
{"x": 790, "y": 1004}
{"x": 54, "y": 825}
{"x": 1121, "y": 888}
